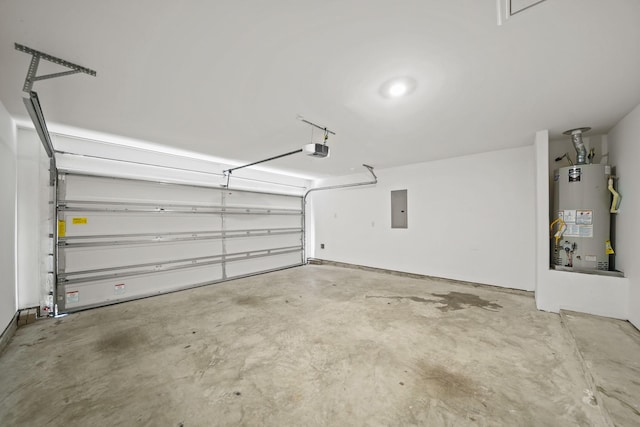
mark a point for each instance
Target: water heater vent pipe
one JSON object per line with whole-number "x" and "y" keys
{"x": 578, "y": 144}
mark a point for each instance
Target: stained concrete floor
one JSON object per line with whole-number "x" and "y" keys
{"x": 610, "y": 350}
{"x": 313, "y": 346}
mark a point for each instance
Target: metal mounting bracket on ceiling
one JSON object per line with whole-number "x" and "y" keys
{"x": 521, "y": 6}
{"x": 324, "y": 129}
{"x": 510, "y": 8}
{"x": 33, "y": 103}
{"x": 36, "y": 55}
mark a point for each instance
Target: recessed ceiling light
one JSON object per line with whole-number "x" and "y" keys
{"x": 398, "y": 87}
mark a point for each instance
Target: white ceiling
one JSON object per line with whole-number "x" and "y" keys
{"x": 229, "y": 77}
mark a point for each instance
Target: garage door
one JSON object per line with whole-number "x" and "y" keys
{"x": 121, "y": 239}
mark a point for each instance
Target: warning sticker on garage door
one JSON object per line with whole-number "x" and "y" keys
{"x": 62, "y": 228}
{"x": 79, "y": 220}
{"x": 73, "y": 297}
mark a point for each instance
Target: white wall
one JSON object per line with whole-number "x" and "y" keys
{"x": 8, "y": 165}
{"x": 33, "y": 186}
{"x": 470, "y": 218}
{"x": 624, "y": 143}
{"x": 556, "y": 290}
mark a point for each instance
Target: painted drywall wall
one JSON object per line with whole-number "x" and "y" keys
{"x": 556, "y": 290}
{"x": 33, "y": 230}
{"x": 8, "y": 166}
{"x": 624, "y": 143}
{"x": 470, "y": 218}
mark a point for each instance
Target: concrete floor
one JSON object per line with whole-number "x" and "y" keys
{"x": 314, "y": 345}
{"x": 610, "y": 350}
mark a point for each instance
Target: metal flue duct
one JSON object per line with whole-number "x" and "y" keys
{"x": 578, "y": 144}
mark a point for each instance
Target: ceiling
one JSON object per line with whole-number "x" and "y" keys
{"x": 228, "y": 78}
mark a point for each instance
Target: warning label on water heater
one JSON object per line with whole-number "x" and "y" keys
{"x": 569, "y": 215}
{"x": 585, "y": 230}
{"x": 584, "y": 217}
{"x": 579, "y": 222}
{"x": 576, "y": 230}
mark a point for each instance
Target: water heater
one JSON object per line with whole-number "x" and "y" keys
{"x": 582, "y": 202}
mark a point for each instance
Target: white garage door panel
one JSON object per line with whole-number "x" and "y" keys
{"x": 243, "y": 222}
{"x": 89, "y": 258}
{"x": 245, "y": 198}
{"x": 80, "y": 187}
{"x": 122, "y": 239}
{"x": 250, "y": 266}
{"x": 267, "y": 242}
{"x": 131, "y": 223}
{"x": 91, "y": 294}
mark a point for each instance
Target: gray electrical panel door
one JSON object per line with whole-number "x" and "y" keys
{"x": 121, "y": 239}
{"x": 399, "y": 209}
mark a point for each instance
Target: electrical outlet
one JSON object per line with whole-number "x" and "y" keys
{"x": 321, "y": 245}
